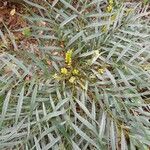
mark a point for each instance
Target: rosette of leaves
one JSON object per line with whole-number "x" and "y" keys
{"x": 109, "y": 109}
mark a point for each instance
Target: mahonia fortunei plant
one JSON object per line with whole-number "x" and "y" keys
{"x": 86, "y": 85}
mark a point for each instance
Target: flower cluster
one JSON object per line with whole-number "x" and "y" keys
{"x": 75, "y": 72}
{"x": 68, "y": 73}
{"x": 110, "y": 6}
{"x": 64, "y": 71}
{"x": 109, "y": 9}
{"x": 68, "y": 57}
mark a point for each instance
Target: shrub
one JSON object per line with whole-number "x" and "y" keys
{"x": 90, "y": 87}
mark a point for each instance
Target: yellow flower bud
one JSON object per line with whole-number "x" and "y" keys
{"x": 64, "y": 71}
{"x": 72, "y": 79}
{"x": 55, "y": 76}
{"x": 111, "y": 2}
{"x": 113, "y": 17}
{"x": 68, "y": 57}
{"x": 109, "y": 8}
{"x": 75, "y": 72}
{"x": 101, "y": 70}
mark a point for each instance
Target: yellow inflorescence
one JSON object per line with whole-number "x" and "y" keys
{"x": 110, "y": 6}
{"x": 113, "y": 17}
{"x": 64, "y": 71}
{"x": 68, "y": 73}
{"x": 56, "y": 76}
{"x": 101, "y": 70}
{"x": 111, "y": 2}
{"x": 68, "y": 57}
{"x": 75, "y": 72}
{"x": 72, "y": 79}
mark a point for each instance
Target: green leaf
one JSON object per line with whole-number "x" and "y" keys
{"x": 34, "y": 4}
{"x": 5, "y": 106}
{"x": 19, "y": 105}
{"x": 84, "y": 135}
{"x": 33, "y": 98}
{"x": 67, "y": 20}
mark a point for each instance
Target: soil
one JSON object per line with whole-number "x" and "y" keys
{"x": 14, "y": 22}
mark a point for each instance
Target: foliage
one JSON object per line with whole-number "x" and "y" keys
{"x": 94, "y": 93}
